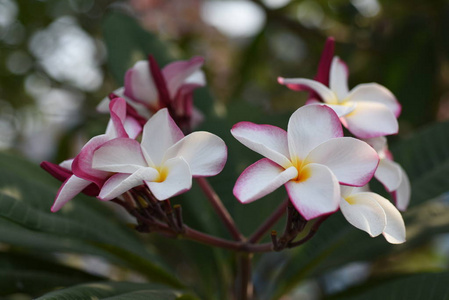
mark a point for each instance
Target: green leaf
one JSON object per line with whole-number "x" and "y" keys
{"x": 127, "y": 42}
{"x": 425, "y": 158}
{"x": 24, "y": 273}
{"x": 84, "y": 225}
{"x": 115, "y": 291}
{"x": 414, "y": 287}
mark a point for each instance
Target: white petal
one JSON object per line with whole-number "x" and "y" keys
{"x": 159, "y": 134}
{"x": 402, "y": 194}
{"x": 370, "y": 119}
{"x": 119, "y": 155}
{"x": 378, "y": 143}
{"x": 139, "y": 84}
{"x": 310, "y": 126}
{"x": 342, "y": 110}
{"x": 316, "y": 193}
{"x": 67, "y": 164}
{"x": 338, "y": 79}
{"x": 68, "y": 190}
{"x": 267, "y": 140}
{"x": 389, "y": 174}
{"x": 175, "y": 181}
{"x": 346, "y": 190}
{"x": 394, "y": 232}
{"x": 260, "y": 179}
{"x": 323, "y": 91}
{"x": 120, "y": 183}
{"x": 352, "y": 161}
{"x": 373, "y": 92}
{"x": 363, "y": 212}
{"x": 205, "y": 153}
{"x": 132, "y": 127}
{"x": 103, "y": 106}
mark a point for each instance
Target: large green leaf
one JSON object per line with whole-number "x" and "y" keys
{"x": 22, "y": 273}
{"x": 415, "y": 287}
{"x": 115, "y": 291}
{"x": 84, "y": 225}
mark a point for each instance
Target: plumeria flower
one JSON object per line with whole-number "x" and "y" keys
{"x": 368, "y": 110}
{"x": 165, "y": 160}
{"x": 391, "y": 174}
{"x": 148, "y": 89}
{"x": 78, "y": 172}
{"x": 372, "y": 213}
{"x": 310, "y": 159}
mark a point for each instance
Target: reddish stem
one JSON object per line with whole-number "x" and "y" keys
{"x": 275, "y": 216}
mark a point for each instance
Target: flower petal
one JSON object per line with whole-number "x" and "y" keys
{"x": 325, "y": 62}
{"x": 117, "y": 109}
{"x": 394, "y": 232}
{"x": 402, "y": 194}
{"x": 316, "y": 193}
{"x": 373, "y": 92}
{"x": 370, "y": 119}
{"x": 260, "y": 179}
{"x": 204, "y": 152}
{"x": 178, "y": 73}
{"x": 159, "y": 134}
{"x": 338, "y": 81}
{"x": 301, "y": 84}
{"x": 352, "y": 161}
{"x": 379, "y": 144}
{"x": 139, "y": 84}
{"x": 178, "y": 179}
{"x": 58, "y": 172}
{"x": 82, "y": 164}
{"x": 120, "y": 183}
{"x": 119, "y": 155}
{"x": 310, "y": 126}
{"x": 364, "y": 212}
{"x": 342, "y": 110}
{"x": 68, "y": 190}
{"x": 267, "y": 140}
{"x": 389, "y": 174}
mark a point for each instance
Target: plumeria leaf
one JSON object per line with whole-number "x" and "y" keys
{"x": 412, "y": 287}
{"x": 83, "y": 226}
{"x": 116, "y": 291}
{"x": 32, "y": 275}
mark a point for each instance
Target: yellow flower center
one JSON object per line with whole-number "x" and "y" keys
{"x": 163, "y": 172}
{"x": 303, "y": 173}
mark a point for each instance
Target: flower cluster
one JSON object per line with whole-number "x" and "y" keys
{"x": 144, "y": 147}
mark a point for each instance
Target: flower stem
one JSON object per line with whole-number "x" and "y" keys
{"x": 220, "y": 209}
{"x": 244, "y": 287}
{"x": 275, "y": 216}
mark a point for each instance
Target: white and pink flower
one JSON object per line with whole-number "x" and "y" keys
{"x": 372, "y": 213}
{"x": 78, "y": 172}
{"x": 368, "y": 110}
{"x": 148, "y": 89}
{"x": 165, "y": 160}
{"x": 311, "y": 159}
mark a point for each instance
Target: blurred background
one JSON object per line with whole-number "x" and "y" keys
{"x": 59, "y": 59}
{"x": 55, "y": 63}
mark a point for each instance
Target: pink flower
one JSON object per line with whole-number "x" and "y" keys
{"x": 148, "y": 89}
{"x": 165, "y": 160}
{"x": 372, "y": 213}
{"x": 368, "y": 110}
{"x": 78, "y": 173}
{"x": 311, "y": 159}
